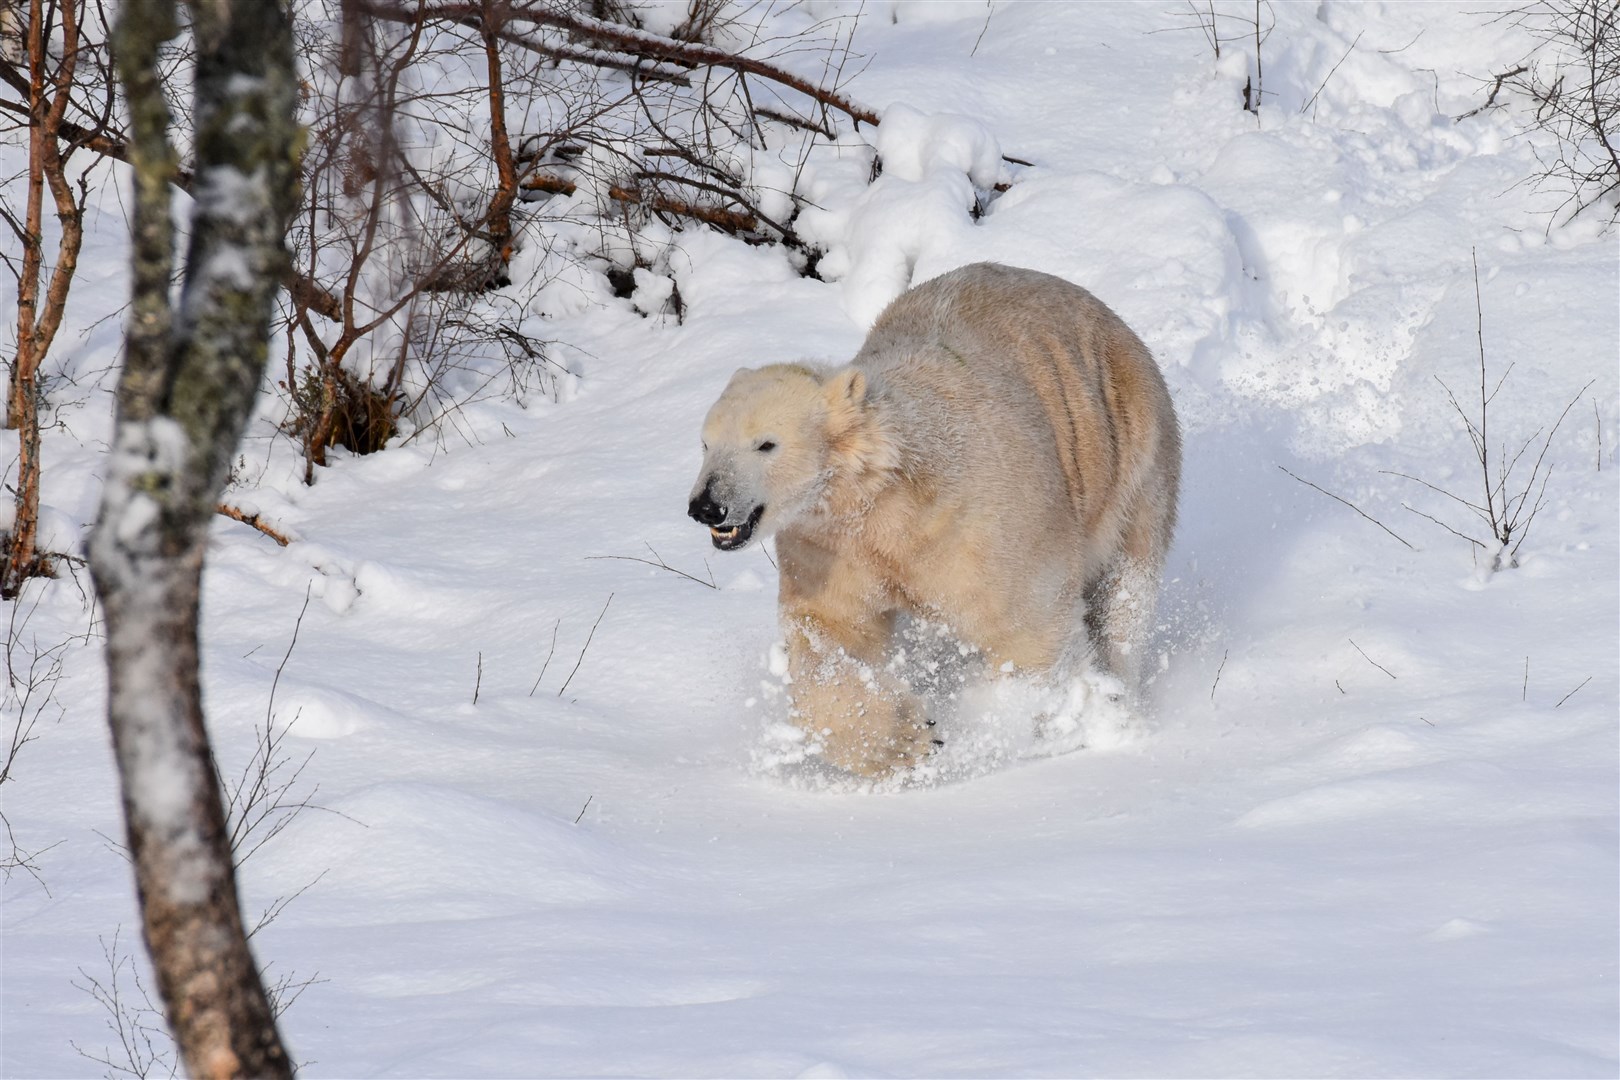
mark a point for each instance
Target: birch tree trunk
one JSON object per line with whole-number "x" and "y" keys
{"x": 187, "y": 388}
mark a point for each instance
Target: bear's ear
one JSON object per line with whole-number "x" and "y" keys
{"x": 846, "y": 388}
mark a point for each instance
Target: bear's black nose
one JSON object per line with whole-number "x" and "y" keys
{"x": 704, "y": 510}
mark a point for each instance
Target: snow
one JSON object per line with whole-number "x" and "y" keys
{"x": 1364, "y": 823}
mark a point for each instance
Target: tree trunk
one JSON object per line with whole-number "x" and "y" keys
{"x": 491, "y": 25}
{"x": 21, "y": 400}
{"x": 37, "y": 322}
{"x": 187, "y": 388}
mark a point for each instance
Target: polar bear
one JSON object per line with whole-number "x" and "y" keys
{"x": 1001, "y": 455}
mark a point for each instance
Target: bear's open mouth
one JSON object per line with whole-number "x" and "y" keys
{"x": 734, "y": 537}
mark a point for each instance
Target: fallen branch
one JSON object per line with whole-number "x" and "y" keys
{"x": 638, "y": 44}
{"x": 731, "y": 221}
{"x": 254, "y": 521}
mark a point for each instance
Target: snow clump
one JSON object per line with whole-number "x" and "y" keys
{"x": 918, "y": 209}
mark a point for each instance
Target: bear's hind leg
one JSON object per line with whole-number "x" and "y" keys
{"x": 1119, "y": 614}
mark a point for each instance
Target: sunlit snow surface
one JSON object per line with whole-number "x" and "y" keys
{"x": 1359, "y": 826}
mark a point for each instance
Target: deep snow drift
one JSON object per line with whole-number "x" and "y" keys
{"x": 1366, "y": 826}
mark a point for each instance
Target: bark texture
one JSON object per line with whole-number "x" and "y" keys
{"x": 187, "y": 387}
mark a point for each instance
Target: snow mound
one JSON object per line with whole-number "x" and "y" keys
{"x": 918, "y": 210}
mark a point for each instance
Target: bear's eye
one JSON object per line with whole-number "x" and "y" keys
{"x": 766, "y": 447}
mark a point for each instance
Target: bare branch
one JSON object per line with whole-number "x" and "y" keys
{"x": 1352, "y": 506}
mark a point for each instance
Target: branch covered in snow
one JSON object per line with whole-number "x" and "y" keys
{"x": 624, "y": 46}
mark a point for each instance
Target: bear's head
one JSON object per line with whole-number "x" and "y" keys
{"x": 776, "y": 442}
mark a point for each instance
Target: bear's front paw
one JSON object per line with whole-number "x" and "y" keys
{"x": 881, "y": 750}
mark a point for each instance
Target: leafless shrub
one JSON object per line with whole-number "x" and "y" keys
{"x": 1242, "y": 25}
{"x": 30, "y": 696}
{"x": 285, "y": 990}
{"x": 268, "y": 793}
{"x": 141, "y": 1045}
{"x": 261, "y": 800}
{"x": 465, "y": 154}
{"x": 1571, "y": 81}
{"x": 1506, "y": 507}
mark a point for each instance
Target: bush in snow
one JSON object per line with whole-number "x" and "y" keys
{"x": 1571, "y": 78}
{"x": 474, "y": 167}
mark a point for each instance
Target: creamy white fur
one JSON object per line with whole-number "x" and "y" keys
{"x": 1001, "y": 454}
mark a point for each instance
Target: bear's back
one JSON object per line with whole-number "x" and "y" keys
{"x": 1050, "y": 365}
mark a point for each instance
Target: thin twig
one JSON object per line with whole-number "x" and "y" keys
{"x": 1513, "y": 525}
{"x": 1496, "y": 88}
{"x": 1524, "y": 691}
{"x": 660, "y": 564}
{"x": 1598, "y": 420}
{"x": 588, "y": 638}
{"x": 584, "y": 808}
{"x": 1443, "y": 525}
{"x": 549, "y": 655}
{"x": 1335, "y": 67}
{"x": 1218, "y": 671}
{"x": 1352, "y": 506}
{"x": 1484, "y": 403}
{"x": 1480, "y": 510}
{"x": 478, "y": 680}
{"x": 1572, "y": 693}
{"x": 279, "y": 904}
{"x": 1369, "y": 659}
{"x": 270, "y": 706}
{"x": 989, "y": 9}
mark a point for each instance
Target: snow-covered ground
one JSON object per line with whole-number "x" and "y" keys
{"x": 1366, "y": 825}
